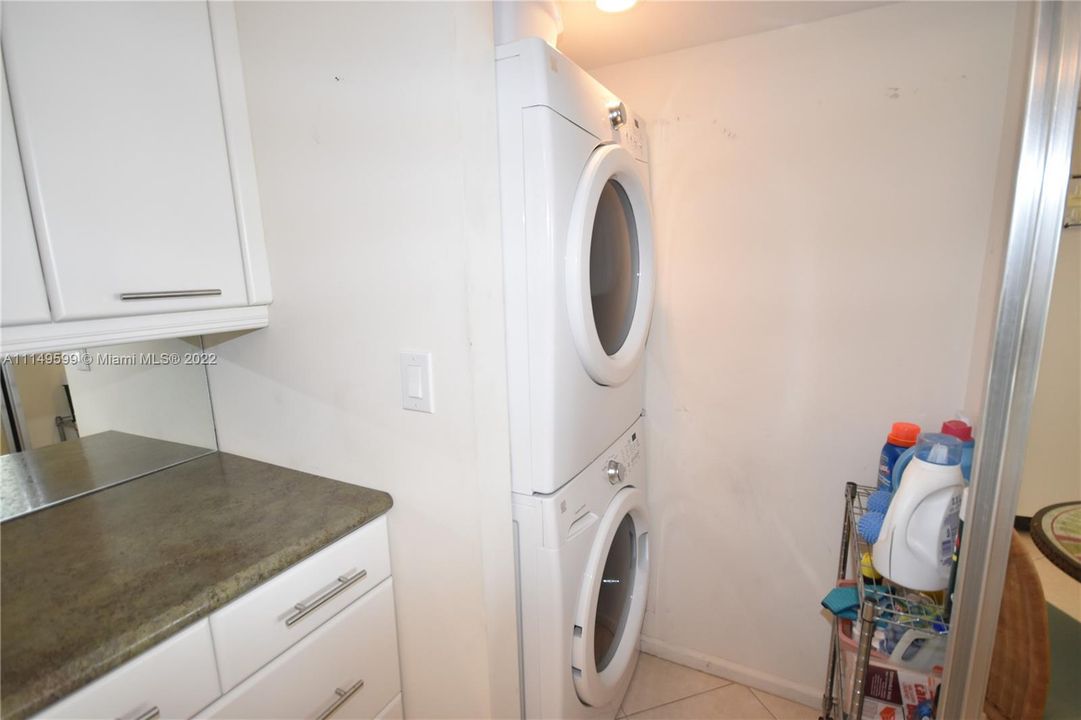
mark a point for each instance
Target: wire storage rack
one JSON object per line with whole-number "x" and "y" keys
{"x": 882, "y": 605}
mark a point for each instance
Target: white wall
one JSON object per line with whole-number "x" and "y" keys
{"x": 168, "y": 402}
{"x": 375, "y": 143}
{"x": 1052, "y": 470}
{"x": 823, "y": 204}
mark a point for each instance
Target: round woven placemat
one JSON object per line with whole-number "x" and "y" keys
{"x": 1056, "y": 532}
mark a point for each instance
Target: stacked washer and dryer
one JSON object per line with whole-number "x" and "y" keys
{"x": 579, "y": 287}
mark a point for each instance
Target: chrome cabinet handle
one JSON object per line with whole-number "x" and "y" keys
{"x": 161, "y": 294}
{"x": 344, "y": 581}
{"x": 343, "y": 695}
{"x": 152, "y": 714}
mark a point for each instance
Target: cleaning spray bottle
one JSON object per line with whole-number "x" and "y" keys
{"x": 914, "y": 547}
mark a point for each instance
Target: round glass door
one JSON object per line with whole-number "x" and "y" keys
{"x": 609, "y": 272}
{"x": 612, "y": 601}
{"x": 613, "y": 267}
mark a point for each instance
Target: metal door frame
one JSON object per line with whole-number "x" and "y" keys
{"x": 1039, "y": 196}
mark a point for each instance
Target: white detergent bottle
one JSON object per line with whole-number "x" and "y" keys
{"x": 915, "y": 546}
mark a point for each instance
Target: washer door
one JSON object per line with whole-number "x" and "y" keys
{"x": 610, "y": 283}
{"x": 612, "y": 601}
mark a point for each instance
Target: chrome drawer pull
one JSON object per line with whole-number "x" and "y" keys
{"x": 343, "y": 695}
{"x": 164, "y": 294}
{"x": 344, "y": 581}
{"x": 152, "y": 714}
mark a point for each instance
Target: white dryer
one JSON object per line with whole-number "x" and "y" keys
{"x": 583, "y": 564}
{"x": 578, "y": 262}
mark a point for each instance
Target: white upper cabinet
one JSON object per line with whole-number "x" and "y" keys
{"x": 118, "y": 108}
{"x": 22, "y": 288}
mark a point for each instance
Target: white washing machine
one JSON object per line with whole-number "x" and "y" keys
{"x": 583, "y": 565}
{"x": 578, "y": 262}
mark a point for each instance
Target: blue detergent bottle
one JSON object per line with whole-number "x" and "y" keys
{"x": 902, "y": 436}
{"x": 963, "y": 432}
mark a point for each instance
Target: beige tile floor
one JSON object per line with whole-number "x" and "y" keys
{"x": 1059, "y": 589}
{"x": 661, "y": 690}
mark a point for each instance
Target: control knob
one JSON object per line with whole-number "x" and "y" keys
{"x": 617, "y": 115}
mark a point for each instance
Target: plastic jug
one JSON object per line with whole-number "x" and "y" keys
{"x": 920, "y": 650}
{"x": 915, "y": 545}
{"x": 961, "y": 430}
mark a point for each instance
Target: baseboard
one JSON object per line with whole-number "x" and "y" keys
{"x": 729, "y": 670}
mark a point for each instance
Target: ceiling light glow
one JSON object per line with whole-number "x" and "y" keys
{"x": 615, "y": 6}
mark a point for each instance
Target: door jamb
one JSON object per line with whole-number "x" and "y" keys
{"x": 1039, "y": 197}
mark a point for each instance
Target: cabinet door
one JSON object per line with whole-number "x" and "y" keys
{"x": 22, "y": 287}
{"x": 120, "y": 128}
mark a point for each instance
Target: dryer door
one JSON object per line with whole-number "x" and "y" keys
{"x": 612, "y": 601}
{"x": 610, "y": 283}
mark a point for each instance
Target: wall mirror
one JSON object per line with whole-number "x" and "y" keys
{"x": 79, "y": 421}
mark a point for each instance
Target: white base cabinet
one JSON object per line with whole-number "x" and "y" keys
{"x": 172, "y": 680}
{"x": 339, "y": 660}
{"x": 348, "y": 668}
{"x": 253, "y": 628}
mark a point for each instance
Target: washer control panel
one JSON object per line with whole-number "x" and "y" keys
{"x": 572, "y": 511}
{"x": 624, "y": 457}
{"x": 631, "y": 134}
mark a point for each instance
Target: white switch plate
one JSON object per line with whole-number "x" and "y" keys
{"x": 416, "y": 370}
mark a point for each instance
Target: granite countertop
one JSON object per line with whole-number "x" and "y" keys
{"x": 91, "y": 583}
{"x": 45, "y": 476}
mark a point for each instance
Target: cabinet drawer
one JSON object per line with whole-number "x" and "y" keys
{"x": 176, "y": 678}
{"x": 348, "y": 668}
{"x": 255, "y": 628}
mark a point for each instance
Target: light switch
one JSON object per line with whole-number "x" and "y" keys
{"x": 416, "y": 369}
{"x": 415, "y": 390}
